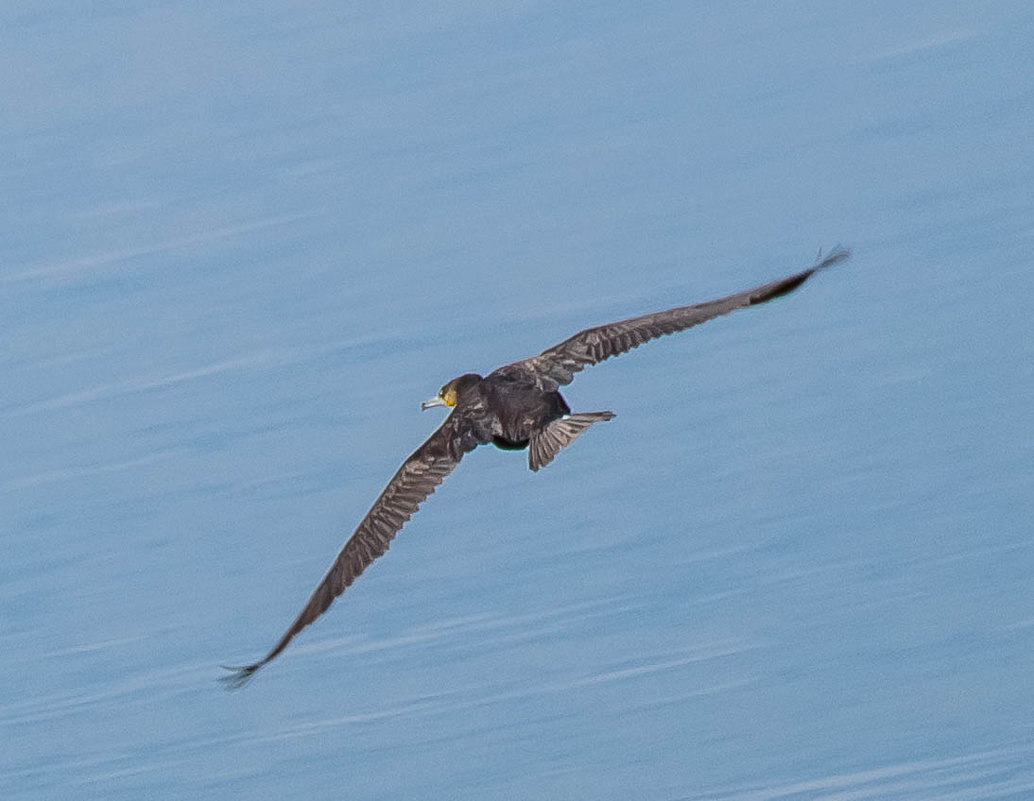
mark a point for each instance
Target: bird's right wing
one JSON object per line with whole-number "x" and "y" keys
{"x": 593, "y": 345}
{"x": 415, "y": 480}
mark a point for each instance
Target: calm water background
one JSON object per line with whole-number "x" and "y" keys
{"x": 242, "y": 241}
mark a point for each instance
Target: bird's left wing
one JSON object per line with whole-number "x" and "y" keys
{"x": 591, "y": 346}
{"x": 418, "y": 477}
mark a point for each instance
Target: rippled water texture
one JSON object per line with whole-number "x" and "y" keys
{"x": 242, "y": 241}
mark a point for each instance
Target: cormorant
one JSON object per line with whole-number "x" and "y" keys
{"x": 514, "y": 407}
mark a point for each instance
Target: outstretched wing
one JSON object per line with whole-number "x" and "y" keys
{"x": 418, "y": 477}
{"x": 593, "y": 345}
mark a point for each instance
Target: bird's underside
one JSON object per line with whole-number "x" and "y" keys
{"x": 516, "y": 406}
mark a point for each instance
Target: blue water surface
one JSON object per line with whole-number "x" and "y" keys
{"x": 242, "y": 241}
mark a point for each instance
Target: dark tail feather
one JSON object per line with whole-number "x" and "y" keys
{"x": 545, "y": 444}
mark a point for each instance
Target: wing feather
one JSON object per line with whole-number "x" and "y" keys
{"x": 414, "y": 481}
{"x": 593, "y": 345}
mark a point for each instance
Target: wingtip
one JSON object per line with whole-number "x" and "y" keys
{"x": 836, "y": 255}
{"x": 239, "y": 676}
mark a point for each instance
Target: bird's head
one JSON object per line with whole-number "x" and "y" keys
{"x": 452, "y": 392}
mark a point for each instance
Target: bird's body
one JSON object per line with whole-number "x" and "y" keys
{"x": 518, "y": 405}
{"x": 514, "y": 407}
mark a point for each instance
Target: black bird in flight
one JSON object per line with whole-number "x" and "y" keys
{"x": 514, "y": 407}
